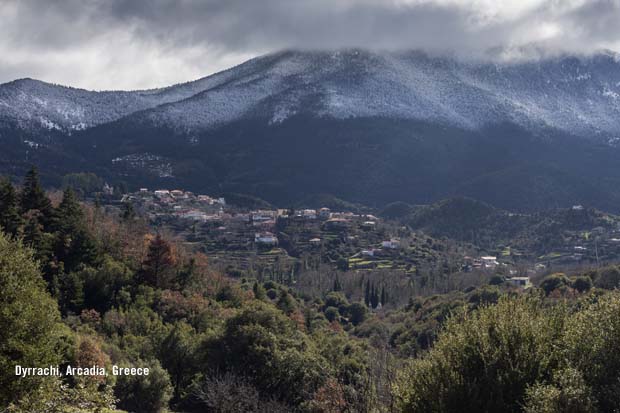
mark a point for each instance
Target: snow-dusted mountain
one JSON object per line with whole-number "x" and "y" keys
{"x": 365, "y": 126}
{"x": 31, "y": 104}
{"x": 575, "y": 94}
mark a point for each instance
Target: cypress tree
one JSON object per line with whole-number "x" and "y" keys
{"x": 383, "y": 296}
{"x": 337, "y": 285}
{"x": 367, "y": 293}
{"x": 374, "y": 297}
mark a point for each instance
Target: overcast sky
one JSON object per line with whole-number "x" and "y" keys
{"x": 134, "y": 44}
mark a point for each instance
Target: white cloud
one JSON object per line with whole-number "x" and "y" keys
{"x": 129, "y": 44}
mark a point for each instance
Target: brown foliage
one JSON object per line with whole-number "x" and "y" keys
{"x": 89, "y": 354}
{"x": 159, "y": 266}
{"x": 330, "y": 398}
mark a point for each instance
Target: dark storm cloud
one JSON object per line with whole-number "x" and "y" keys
{"x": 139, "y": 43}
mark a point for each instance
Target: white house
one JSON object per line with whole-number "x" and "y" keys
{"x": 309, "y": 213}
{"x": 205, "y": 199}
{"x": 393, "y": 244}
{"x": 194, "y": 214}
{"x": 521, "y": 282}
{"x": 489, "y": 261}
{"x": 263, "y": 215}
{"x": 266, "y": 238}
{"x": 162, "y": 193}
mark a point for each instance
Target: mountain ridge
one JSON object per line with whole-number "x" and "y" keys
{"x": 365, "y": 127}
{"x": 584, "y": 95}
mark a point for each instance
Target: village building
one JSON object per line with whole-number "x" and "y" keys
{"x": 263, "y": 215}
{"x": 520, "y": 282}
{"x": 393, "y": 244}
{"x": 308, "y": 213}
{"x": 177, "y": 193}
{"x": 337, "y": 223}
{"x": 489, "y": 261}
{"x": 205, "y": 199}
{"x": 265, "y": 238}
{"x": 194, "y": 215}
{"x": 368, "y": 224}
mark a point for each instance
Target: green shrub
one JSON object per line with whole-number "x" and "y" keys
{"x": 484, "y": 360}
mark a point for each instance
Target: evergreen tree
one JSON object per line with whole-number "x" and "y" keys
{"x": 383, "y": 296}
{"x": 69, "y": 214}
{"x": 187, "y": 273}
{"x": 74, "y": 244}
{"x": 33, "y": 197}
{"x": 71, "y": 293}
{"x": 337, "y": 285}
{"x": 28, "y": 322}
{"x": 259, "y": 291}
{"x": 178, "y": 356}
{"x": 10, "y": 220}
{"x": 41, "y": 242}
{"x": 286, "y": 302}
{"x": 367, "y": 293}
{"x": 374, "y": 297}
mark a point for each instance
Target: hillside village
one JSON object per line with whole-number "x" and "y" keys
{"x": 236, "y": 236}
{"x": 282, "y": 242}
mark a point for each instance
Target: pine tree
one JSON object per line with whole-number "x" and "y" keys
{"x": 10, "y": 220}
{"x": 74, "y": 244}
{"x": 33, "y": 197}
{"x": 69, "y": 214}
{"x": 40, "y": 242}
{"x": 71, "y": 293}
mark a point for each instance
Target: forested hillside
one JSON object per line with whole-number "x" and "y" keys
{"x": 85, "y": 285}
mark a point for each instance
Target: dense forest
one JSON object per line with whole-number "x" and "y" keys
{"x": 83, "y": 287}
